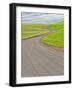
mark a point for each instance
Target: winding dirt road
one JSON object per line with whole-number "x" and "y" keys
{"x": 40, "y": 60}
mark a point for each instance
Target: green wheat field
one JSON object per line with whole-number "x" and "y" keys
{"x": 56, "y": 38}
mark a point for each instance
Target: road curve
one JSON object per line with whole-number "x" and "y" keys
{"x": 40, "y": 60}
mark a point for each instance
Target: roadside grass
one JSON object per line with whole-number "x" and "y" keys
{"x": 57, "y": 38}
{"x": 33, "y": 30}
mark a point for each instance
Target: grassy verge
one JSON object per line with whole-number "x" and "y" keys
{"x": 33, "y": 30}
{"x": 55, "y": 39}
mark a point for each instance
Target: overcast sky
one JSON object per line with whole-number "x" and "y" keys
{"x": 40, "y": 18}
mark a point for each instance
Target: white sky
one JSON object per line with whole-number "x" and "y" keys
{"x": 41, "y": 18}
